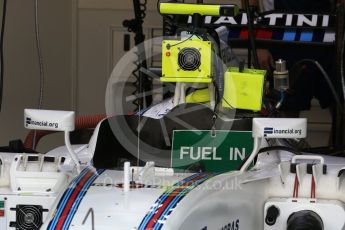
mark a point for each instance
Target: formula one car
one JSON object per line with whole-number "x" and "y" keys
{"x": 128, "y": 177}
{"x": 69, "y": 188}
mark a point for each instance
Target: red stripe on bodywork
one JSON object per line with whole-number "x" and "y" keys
{"x": 175, "y": 192}
{"x": 153, "y": 220}
{"x": 71, "y": 200}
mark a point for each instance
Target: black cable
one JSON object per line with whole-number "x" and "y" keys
{"x": 216, "y": 92}
{"x": 249, "y": 57}
{"x": 183, "y": 41}
{"x": 158, "y": 2}
{"x": 3, "y": 23}
{"x": 326, "y": 150}
{"x": 326, "y": 77}
{"x": 342, "y": 63}
{"x": 251, "y": 35}
{"x": 216, "y": 86}
{"x": 40, "y": 60}
{"x": 228, "y": 103}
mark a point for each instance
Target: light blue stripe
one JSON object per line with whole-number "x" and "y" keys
{"x": 162, "y": 198}
{"x": 66, "y": 197}
{"x": 182, "y": 194}
{"x": 179, "y": 198}
{"x": 289, "y": 35}
{"x": 80, "y": 197}
{"x": 306, "y": 36}
{"x": 176, "y": 201}
{"x": 78, "y": 201}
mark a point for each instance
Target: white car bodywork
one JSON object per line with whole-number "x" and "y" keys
{"x": 164, "y": 199}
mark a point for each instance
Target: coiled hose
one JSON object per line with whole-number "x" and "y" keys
{"x": 139, "y": 62}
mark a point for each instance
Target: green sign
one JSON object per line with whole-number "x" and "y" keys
{"x": 221, "y": 152}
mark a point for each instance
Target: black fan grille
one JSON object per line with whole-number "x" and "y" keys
{"x": 28, "y": 217}
{"x": 189, "y": 59}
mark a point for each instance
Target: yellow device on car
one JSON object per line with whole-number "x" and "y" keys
{"x": 189, "y": 60}
{"x": 243, "y": 90}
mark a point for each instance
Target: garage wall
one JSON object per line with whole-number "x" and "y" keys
{"x": 81, "y": 42}
{"x": 21, "y": 83}
{"x": 100, "y": 46}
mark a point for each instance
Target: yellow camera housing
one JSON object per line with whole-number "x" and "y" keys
{"x": 187, "y": 61}
{"x": 202, "y": 9}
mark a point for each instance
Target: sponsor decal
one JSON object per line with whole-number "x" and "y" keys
{"x": 29, "y": 121}
{"x": 274, "y": 19}
{"x": 277, "y": 26}
{"x": 270, "y": 130}
{"x": 233, "y": 225}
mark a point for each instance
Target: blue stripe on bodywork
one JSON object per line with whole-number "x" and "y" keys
{"x": 177, "y": 199}
{"x": 80, "y": 198}
{"x": 65, "y": 198}
{"x": 67, "y": 194}
{"x": 163, "y": 197}
{"x": 174, "y": 202}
